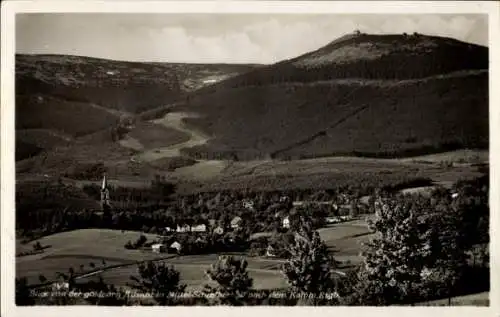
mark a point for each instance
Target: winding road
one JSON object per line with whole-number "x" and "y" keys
{"x": 173, "y": 120}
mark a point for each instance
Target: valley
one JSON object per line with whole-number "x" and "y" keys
{"x": 206, "y": 162}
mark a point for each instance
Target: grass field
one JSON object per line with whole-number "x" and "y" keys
{"x": 80, "y": 247}
{"x": 74, "y": 248}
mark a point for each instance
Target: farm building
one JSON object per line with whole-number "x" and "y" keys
{"x": 199, "y": 228}
{"x": 219, "y": 230}
{"x": 235, "y": 223}
{"x": 184, "y": 228}
{"x": 158, "y": 248}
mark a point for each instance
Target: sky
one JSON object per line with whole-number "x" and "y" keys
{"x": 220, "y": 38}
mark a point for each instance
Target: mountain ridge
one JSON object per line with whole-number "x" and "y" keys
{"x": 280, "y": 105}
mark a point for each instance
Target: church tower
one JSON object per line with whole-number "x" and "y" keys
{"x": 105, "y": 201}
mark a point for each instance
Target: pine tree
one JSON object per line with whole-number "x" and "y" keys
{"x": 394, "y": 260}
{"x": 230, "y": 274}
{"x": 309, "y": 269}
{"x": 160, "y": 280}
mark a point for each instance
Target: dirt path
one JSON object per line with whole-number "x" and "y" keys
{"x": 203, "y": 169}
{"x": 173, "y": 120}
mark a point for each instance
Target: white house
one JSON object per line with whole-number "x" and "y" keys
{"x": 168, "y": 229}
{"x": 199, "y": 228}
{"x": 332, "y": 219}
{"x": 286, "y": 222}
{"x": 158, "y": 247}
{"x": 176, "y": 245}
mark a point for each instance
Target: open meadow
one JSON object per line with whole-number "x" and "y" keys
{"x": 81, "y": 247}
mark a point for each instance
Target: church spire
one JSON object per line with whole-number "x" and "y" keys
{"x": 104, "y": 183}
{"x": 104, "y": 193}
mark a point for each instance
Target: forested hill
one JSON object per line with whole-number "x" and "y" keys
{"x": 375, "y": 95}
{"x": 372, "y": 57}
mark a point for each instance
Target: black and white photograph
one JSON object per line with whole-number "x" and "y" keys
{"x": 249, "y": 159}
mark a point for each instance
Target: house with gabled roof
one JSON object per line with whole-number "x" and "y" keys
{"x": 236, "y": 222}
{"x": 176, "y": 246}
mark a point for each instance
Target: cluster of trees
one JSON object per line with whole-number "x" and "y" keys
{"x": 423, "y": 248}
{"x": 159, "y": 192}
{"x": 137, "y": 244}
{"x": 356, "y": 183}
{"x": 87, "y": 171}
{"x": 37, "y": 248}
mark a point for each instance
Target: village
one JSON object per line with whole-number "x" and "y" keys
{"x": 174, "y": 239}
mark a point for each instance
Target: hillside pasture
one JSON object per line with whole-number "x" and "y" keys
{"x": 80, "y": 247}
{"x": 152, "y": 135}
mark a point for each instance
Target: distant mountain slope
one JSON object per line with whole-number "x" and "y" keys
{"x": 125, "y": 86}
{"x": 375, "y": 95}
{"x": 77, "y": 96}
